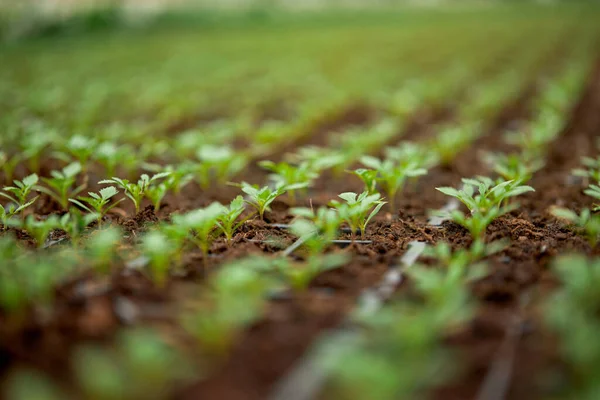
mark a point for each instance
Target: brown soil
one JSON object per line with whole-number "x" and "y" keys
{"x": 90, "y": 308}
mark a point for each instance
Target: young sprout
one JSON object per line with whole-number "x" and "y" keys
{"x": 98, "y": 202}
{"x": 19, "y": 193}
{"x": 27, "y": 384}
{"x": 593, "y": 191}
{"x": 59, "y": 186}
{"x": 218, "y": 163}
{"x": 8, "y": 164}
{"x": 317, "y": 158}
{"x": 136, "y": 191}
{"x": 102, "y": 248}
{"x": 141, "y": 365}
{"x": 156, "y": 194}
{"x": 111, "y": 156}
{"x": 393, "y": 175}
{"x": 369, "y": 178}
{"x": 261, "y": 198}
{"x": 586, "y": 221}
{"x": 572, "y": 313}
{"x": 300, "y": 274}
{"x": 325, "y": 222}
{"x": 38, "y": 230}
{"x": 228, "y": 220}
{"x": 201, "y": 224}
{"x": 74, "y": 224}
{"x": 234, "y": 299}
{"x": 358, "y": 209}
{"x": 290, "y": 176}
{"x": 486, "y": 205}
{"x": 179, "y": 175}
{"x": 514, "y": 167}
{"x": 592, "y": 170}
{"x": 533, "y": 142}
{"x": 79, "y": 147}
{"x": 452, "y": 140}
{"x": 161, "y": 251}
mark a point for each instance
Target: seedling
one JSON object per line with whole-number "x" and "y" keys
{"x": 261, "y": 197}
{"x": 299, "y": 274}
{"x": 74, "y": 223}
{"x": 161, "y": 252}
{"x": 318, "y": 158}
{"x": 572, "y": 313}
{"x": 102, "y": 248}
{"x": 8, "y": 165}
{"x": 592, "y": 171}
{"x": 27, "y": 384}
{"x": 486, "y": 205}
{"x": 61, "y": 183}
{"x": 452, "y": 140}
{"x": 325, "y": 221}
{"x": 593, "y": 191}
{"x": 489, "y": 194}
{"x": 228, "y": 220}
{"x": 136, "y": 191}
{"x": 514, "y": 167}
{"x": 586, "y": 221}
{"x": 79, "y": 147}
{"x": 156, "y": 194}
{"x": 38, "y": 230}
{"x": 179, "y": 175}
{"x": 19, "y": 193}
{"x": 98, "y": 202}
{"x": 218, "y": 163}
{"x": 201, "y": 224}
{"x": 369, "y": 178}
{"x": 142, "y": 366}
{"x": 235, "y": 299}
{"x": 111, "y": 156}
{"x": 290, "y": 176}
{"x": 358, "y": 209}
{"x": 393, "y": 175}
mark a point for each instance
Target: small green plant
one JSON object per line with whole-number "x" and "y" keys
{"x": 586, "y": 221}
{"x": 8, "y": 164}
{"x": 593, "y": 191}
{"x": 60, "y": 185}
{"x": 142, "y": 365}
{"x": 39, "y": 230}
{"x": 235, "y": 298}
{"x": 392, "y": 175}
{"x": 28, "y": 278}
{"x": 201, "y": 225}
{"x": 161, "y": 252}
{"x": 261, "y": 197}
{"x": 218, "y": 164}
{"x": 324, "y": 223}
{"x": 136, "y": 191}
{"x": 19, "y": 193}
{"x": 98, "y": 202}
{"x": 80, "y": 148}
{"x": 369, "y": 178}
{"x": 290, "y": 176}
{"x": 514, "y": 167}
{"x": 358, "y": 209}
{"x": 179, "y": 175}
{"x": 74, "y": 223}
{"x": 572, "y": 314}
{"x": 299, "y": 274}
{"x": 485, "y": 205}
{"x": 111, "y": 156}
{"x": 228, "y": 220}
{"x": 452, "y": 140}
{"x": 27, "y": 384}
{"x": 102, "y": 249}
{"x": 592, "y": 170}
